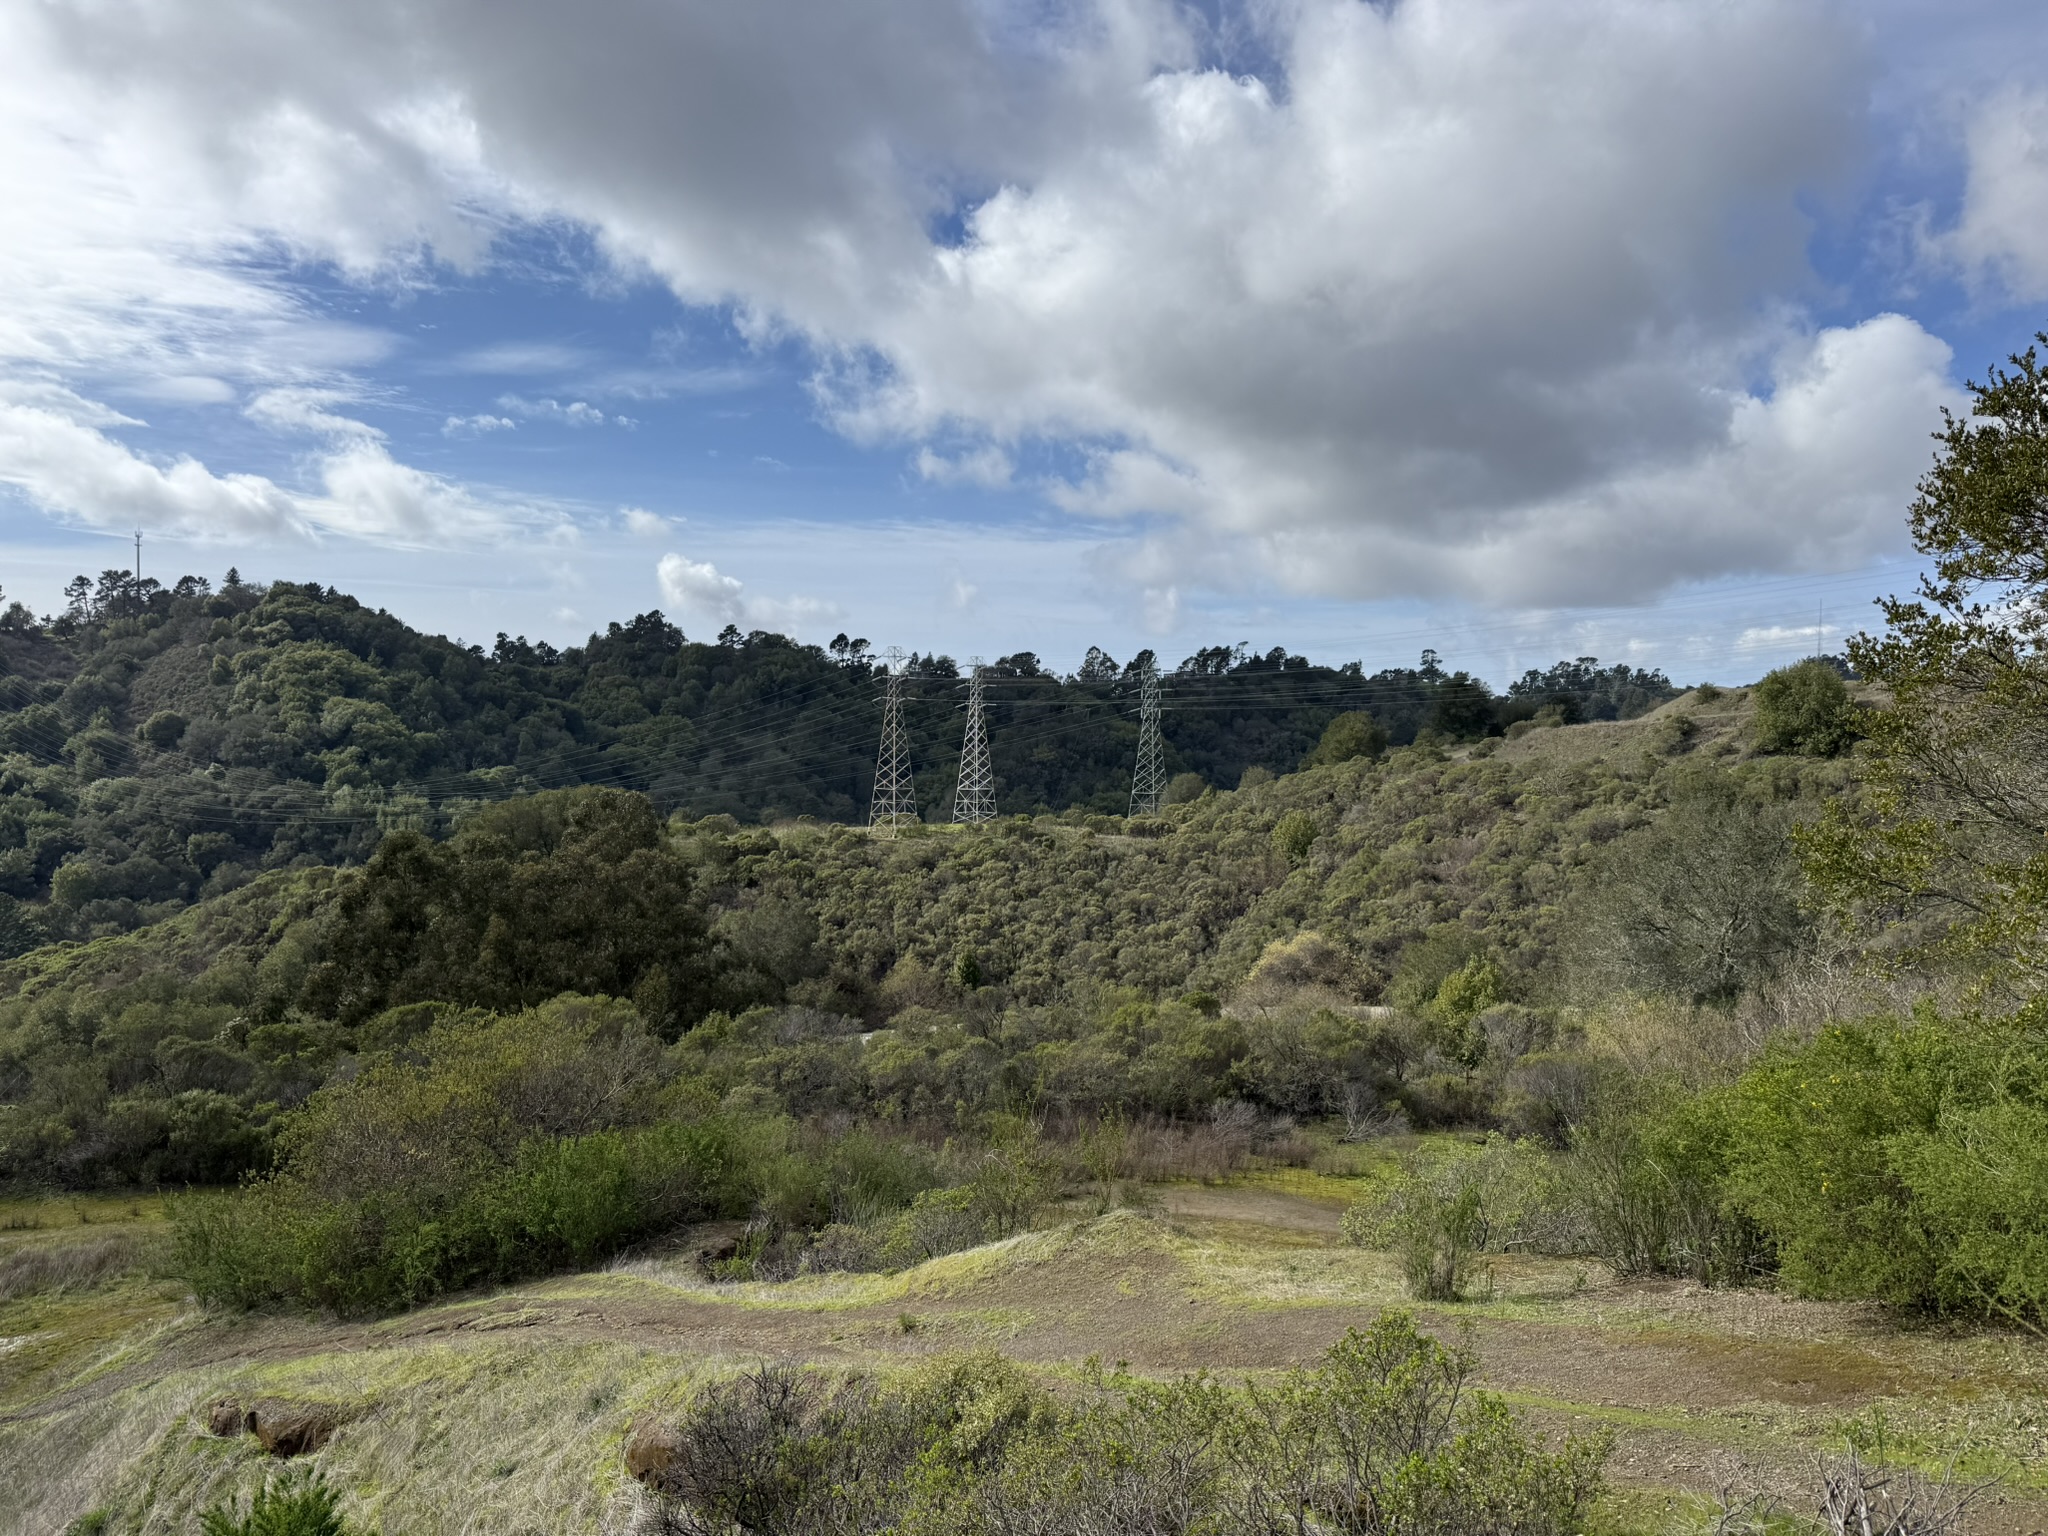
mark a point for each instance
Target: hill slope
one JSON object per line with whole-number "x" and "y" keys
{"x": 161, "y": 744}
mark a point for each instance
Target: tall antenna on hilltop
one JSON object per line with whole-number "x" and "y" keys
{"x": 975, "y": 797}
{"x": 1148, "y": 780}
{"x": 138, "y": 557}
{"x": 893, "y": 804}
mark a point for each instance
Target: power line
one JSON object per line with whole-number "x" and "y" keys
{"x": 974, "y": 798}
{"x": 893, "y": 804}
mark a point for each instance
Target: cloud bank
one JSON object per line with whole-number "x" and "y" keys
{"x": 1502, "y": 299}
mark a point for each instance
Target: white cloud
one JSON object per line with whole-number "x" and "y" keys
{"x": 1811, "y": 475}
{"x": 1493, "y": 297}
{"x": 700, "y": 594}
{"x": 577, "y": 413}
{"x": 988, "y": 467}
{"x": 2003, "y": 231}
{"x": 476, "y": 426}
{"x": 1776, "y": 637}
{"x": 65, "y": 464}
{"x": 182, "y": 389}
{"x": 698, "y": 591}
{"x": 794, "y": 615}
{"x": 71, "y": 468}
{"x": 306, "y": 410}
{"x": 370, "y": 495}
{"x": 644, "y": 524}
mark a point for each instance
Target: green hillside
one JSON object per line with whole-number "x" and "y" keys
{"x": 167, "y": 1053}
{"x": 163, "y": 744}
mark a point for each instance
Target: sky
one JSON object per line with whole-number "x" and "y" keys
{"x": 1519, "y": 329}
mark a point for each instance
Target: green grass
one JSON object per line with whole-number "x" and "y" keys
{"x": 46, "y": 1212}
{"x": 506, "y": 1411}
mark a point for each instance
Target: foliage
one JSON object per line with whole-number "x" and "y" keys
{"x": 293, "y": 1504}
{"x": 778, "y": 1450}
{"x": 1954, "y": 830}
{"x": 1353, "y": 734}
{"x": 1805, "y": 708}
{"x": 1293, "y": 835}
{"x": 572, "y": 891}
{"x": 1905, "y": 1160}
{"x": 170, "y": 1053}
{"x": 161, "y": 744}
{"x": 489, "y": 1148}
{"x": 1704, "y": 905}
{"x": 1648, "y": 1172}
{"x": 1383, "y": 1436}
{"x": 1581, "y": 690}
{"x": 1449, "y": 1204}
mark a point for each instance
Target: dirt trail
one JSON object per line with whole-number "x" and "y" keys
{"x": 1692, "y": 1381}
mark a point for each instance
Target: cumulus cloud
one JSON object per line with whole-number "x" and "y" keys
{"x": 577, "y": 413}
{"x": 1487, "y": 297}
{"x": 63, "y": 462}
{"x": 2003, "y": 230}
{"x": 642, "y": 523}
{"x": 700, "y": 593}
{"x": 476, "y": 426}
{"x": 71, "y": 468}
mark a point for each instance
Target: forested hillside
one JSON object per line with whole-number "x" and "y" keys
{"x": 167, "y": 1053}
{"x": 159, "y": 744}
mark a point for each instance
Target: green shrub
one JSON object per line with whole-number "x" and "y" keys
{"x": 1351, "y": 735}
{"x": 1649, "y": 1173}
{"x": 1806, "y": 709}
{"x": 775, "y": 1449}
{"x": 1704, "y": 904}
{"x": 1451, "y": 1203}
{"x": 1546, "y": 1093}
{"x": 292, "y": 1505}
{"x": 559, "y": 1203}
{"x": 1294, "y": 835}
{"x": 1383, "y": 1435}
{"x": 1904, "y": 1160}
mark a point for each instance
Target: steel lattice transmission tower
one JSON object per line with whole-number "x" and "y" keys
{"x": 1148, "y": 781}
{"x": 893, "y": 804}
{"x": 975, "y": 797}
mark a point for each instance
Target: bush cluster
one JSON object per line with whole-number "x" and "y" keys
{"x": 1384, "y": 1435}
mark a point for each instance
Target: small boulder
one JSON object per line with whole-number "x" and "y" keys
{"x": 293, "y": 1429}
{"x": 652, "y": 1447}
{"x": 225, "y": 1418}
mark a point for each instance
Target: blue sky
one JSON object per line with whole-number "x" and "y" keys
{"x": 1521, "y": 330}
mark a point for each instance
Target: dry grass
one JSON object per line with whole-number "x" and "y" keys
{"x": 505, "y": 1412}
{"x": 71, "y": 1266}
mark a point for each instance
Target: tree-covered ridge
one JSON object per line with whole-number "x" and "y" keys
{"x": 159, "y": 744}
{"x": 168, "y": 1053}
